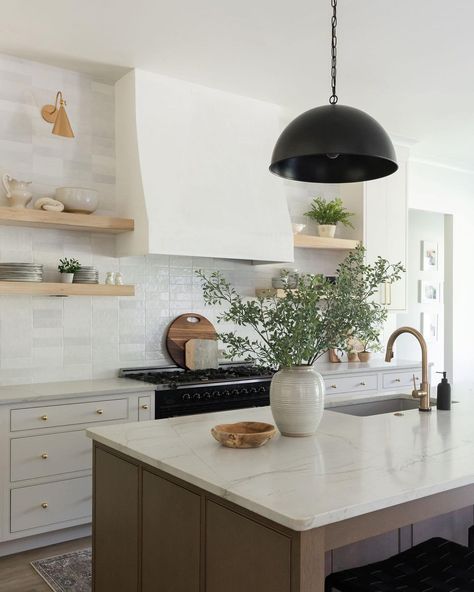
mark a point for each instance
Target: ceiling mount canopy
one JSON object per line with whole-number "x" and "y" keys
{"x": 334, "y": 143}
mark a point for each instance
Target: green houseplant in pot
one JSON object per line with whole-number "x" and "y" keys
{"x": 289, "y": 334}
{"x": 328, "y": 214}
{"x": 67, "y": 268}
{"x": 368, "y": 327}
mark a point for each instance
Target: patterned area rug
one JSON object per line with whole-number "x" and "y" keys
{"x": 71, "y": 572}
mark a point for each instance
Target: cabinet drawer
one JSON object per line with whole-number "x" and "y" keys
{"x": 144, "y": 408}
{"x": 49, "y": 416}
{"x": 395, "y": 380}
{"x": 52, "y": 503}
{"x": 350, "y": 384}
{"x": 52, "y": 454}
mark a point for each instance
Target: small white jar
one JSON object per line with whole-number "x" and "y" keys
{"x": 110, "y": 278}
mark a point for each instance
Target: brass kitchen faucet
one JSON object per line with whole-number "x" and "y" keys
{"x": 423, "y": 393}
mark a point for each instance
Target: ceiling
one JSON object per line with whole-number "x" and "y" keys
{"x": 406, "y": 62}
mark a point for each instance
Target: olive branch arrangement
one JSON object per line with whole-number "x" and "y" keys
{"x": 312, "y": 317}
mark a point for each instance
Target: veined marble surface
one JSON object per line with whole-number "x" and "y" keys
{"x": 27, "y": 393}
{"x": 352, "y": 466}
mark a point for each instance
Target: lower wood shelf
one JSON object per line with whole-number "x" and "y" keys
{"x": 58, "y": 289}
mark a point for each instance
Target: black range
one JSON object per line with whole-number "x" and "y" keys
{"x": 187, "y": 392}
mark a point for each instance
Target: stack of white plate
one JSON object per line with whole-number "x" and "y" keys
{"x": 21, "y": 272}
{"x": 86, "y": 275}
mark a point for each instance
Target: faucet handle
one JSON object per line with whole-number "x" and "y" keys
{"x": 415, "y": 392}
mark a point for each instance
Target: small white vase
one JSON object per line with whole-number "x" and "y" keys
{"x": 327, "y": 230}
{"x": 66, "y": 278}
{"x": 297, "y": 400}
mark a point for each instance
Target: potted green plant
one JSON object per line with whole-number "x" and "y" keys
{"x": 67, "y": 268}
{"x": 328, "y": 214}
{"x": 368, "y": 327}
{"x": 289, "y": 334}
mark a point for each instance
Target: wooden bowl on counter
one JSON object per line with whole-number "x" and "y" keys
{"x": 244, "y": 434}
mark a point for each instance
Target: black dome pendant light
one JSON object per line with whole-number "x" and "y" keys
{"x": 333, "y": 143}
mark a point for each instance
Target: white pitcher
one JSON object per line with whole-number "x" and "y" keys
{"x": 17, "y": 192}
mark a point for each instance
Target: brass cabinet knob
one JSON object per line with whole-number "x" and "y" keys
{"x": 100, "y": 411}
{"x": 397, "y": 380}
{"x": 145, "y": 406}
{"x": 44, "y": 417}
{"x": 44, "y": 505}
{"x": 333, "y": 386}
{"x": 362, "y": 383}
{"x": 44, "y": 456}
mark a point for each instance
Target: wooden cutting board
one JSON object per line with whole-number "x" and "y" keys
{"x": 201, "y": 354}
{"x": 182, "y": 329}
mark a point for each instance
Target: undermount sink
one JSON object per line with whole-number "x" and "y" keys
{"x": 366, "y": 408}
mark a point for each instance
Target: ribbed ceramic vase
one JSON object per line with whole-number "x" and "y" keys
{"x": 297, "y": 400}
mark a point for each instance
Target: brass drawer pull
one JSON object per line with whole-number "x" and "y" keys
{"x": 397, "y": 380}
{"x": 145, "y": 406}
{"x": 362, "y": 383}
{"x": 44, "y": 417}
{"x": 44, "y": 456}
{"x": 100, "y": 411}
{"x": 333, "y": 386}
{"x": 44, "y": 505}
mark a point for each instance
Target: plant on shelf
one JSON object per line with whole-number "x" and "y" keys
{"x": 328, "y": 214}
{"x": 67, "y": 268}
{"x": 289, "y": 334}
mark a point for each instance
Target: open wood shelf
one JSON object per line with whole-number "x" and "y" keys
{"x": 58, "y": 289}
{"x": 306, "y": 241}
{"x": 64, "y": 221}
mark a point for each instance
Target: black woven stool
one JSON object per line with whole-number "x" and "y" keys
{"x": 437, "y": 565}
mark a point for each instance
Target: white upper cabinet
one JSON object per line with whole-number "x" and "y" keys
{"x": 192, "y": 170}
{"x": 385, "y": 227}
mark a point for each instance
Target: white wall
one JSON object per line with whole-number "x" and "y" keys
{"x": 46, "y": 339}
{"x": 423, "y": 226}
{"x": 29, "y": 151}
{"x": 451, "y": 191}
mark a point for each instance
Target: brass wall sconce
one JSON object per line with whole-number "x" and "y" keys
{"x": 59, "y": 117}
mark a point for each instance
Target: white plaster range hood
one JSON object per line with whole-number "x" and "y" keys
{"x": 192, "y": 169}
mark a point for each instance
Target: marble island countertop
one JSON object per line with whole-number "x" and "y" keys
{"x": 26, "y": 393}
{"x": 352, "y": 466}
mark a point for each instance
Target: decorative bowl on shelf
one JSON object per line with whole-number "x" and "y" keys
{"x": 78, "y": 200}
{"x": 244, "y": 434}
{"x": 297, "y": 228}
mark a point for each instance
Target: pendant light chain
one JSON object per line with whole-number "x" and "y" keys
{"x": 333, "y": 98}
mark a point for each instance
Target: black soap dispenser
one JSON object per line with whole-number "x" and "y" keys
{"x": 443, "y": 399}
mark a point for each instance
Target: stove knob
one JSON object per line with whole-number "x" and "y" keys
{"x": 186, "y": 397}
{"x": 209, "y": 395}
{"x": 235, "y": 392}
{"x": 197, "y": 396}
{"x": 262, "y": 389}
{"x": 244, "y": 391}
{"x": 226, "y": 393}
{"x": 253, "y": 390}
{"x": 218, "y": 395}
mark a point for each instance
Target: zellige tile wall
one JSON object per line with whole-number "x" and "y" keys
{"x": 48, "y": 339}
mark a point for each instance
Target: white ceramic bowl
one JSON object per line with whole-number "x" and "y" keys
{"x": 80, "y": 200}
{"x": 297, "y": 228}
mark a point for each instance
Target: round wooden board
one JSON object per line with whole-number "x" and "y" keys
{"x": 183, "y": 328}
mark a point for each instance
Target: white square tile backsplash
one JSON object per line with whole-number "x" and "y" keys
{"x": 48, "y": 339}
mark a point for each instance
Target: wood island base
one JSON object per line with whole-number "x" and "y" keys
{"x": 153, "y": 532}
